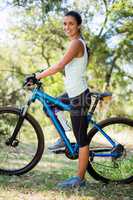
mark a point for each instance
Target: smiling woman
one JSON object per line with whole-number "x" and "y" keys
{"x": 74, "y": 62}
{"x": 72, "y": 27}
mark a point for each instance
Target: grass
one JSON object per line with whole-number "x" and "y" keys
{"x": 40, "y": 183}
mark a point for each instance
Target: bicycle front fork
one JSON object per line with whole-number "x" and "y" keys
{"x": 12, "y": 141}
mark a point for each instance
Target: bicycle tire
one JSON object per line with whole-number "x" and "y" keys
{"x": 6, "y": 124}
{"x": 96, "y": 171}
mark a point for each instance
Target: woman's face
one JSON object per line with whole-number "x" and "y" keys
{"x": 71, "y": 27}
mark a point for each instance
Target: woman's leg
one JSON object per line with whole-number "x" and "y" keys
{"x": 83, "y": 161}
{"x": 59, "y": 144}
{"x": 80, "y": 126}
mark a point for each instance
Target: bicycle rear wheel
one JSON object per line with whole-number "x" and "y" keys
{"x": 27, "y": 148}
{"x": 106, "y": 169}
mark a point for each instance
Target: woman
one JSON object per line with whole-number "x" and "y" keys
{"x": 75, "y": 62}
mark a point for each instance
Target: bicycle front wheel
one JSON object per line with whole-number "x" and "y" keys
{"x": 106, "y": 168}
{"x": 27, "y": 148}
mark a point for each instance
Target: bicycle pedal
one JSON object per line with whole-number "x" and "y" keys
{"x": 61, "y": 151}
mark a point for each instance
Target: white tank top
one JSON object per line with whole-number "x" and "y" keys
{"x": 75, "y": 79}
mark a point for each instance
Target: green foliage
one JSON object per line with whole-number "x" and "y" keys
{"x": 46, "y": 5}
{"x": 39, "y": 42}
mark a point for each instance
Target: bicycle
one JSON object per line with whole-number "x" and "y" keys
{"x": 109, "y": 160}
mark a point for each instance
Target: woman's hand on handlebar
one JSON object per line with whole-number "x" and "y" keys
{"x": 31, "y": 80}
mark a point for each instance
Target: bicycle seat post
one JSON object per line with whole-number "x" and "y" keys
{"x": 95, "y": 104}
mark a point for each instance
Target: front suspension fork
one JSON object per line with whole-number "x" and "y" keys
{"x": 12, "y": 140}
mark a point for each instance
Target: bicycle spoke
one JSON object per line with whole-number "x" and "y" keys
{"x": 111, "y": 168}
{"x": 16, "y": 157}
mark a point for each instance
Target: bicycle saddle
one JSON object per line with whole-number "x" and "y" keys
{"x": 101, "y": 95}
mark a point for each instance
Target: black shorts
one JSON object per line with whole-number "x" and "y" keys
{"x": 80, "y": 106}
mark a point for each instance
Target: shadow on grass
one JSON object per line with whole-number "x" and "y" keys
{"x": 39, "y": 181}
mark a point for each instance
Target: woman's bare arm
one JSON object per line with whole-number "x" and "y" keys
{"x": 74, "y": 49}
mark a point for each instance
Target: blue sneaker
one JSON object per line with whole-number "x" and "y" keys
{"x": 75, "y": 181}
{"x": 58, "y": 145}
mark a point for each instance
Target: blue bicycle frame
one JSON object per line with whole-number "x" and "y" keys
{"x": 47, "y": 100}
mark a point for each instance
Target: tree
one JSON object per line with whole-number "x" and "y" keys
{"x": 42, "y": 40}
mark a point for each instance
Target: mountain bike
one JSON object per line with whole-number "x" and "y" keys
{"x": 22, "y": 139}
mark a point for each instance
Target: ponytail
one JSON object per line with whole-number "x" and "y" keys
{"x": 87, "y": 48}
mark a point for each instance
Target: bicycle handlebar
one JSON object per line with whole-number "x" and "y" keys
{"x": 31, "y": 80}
